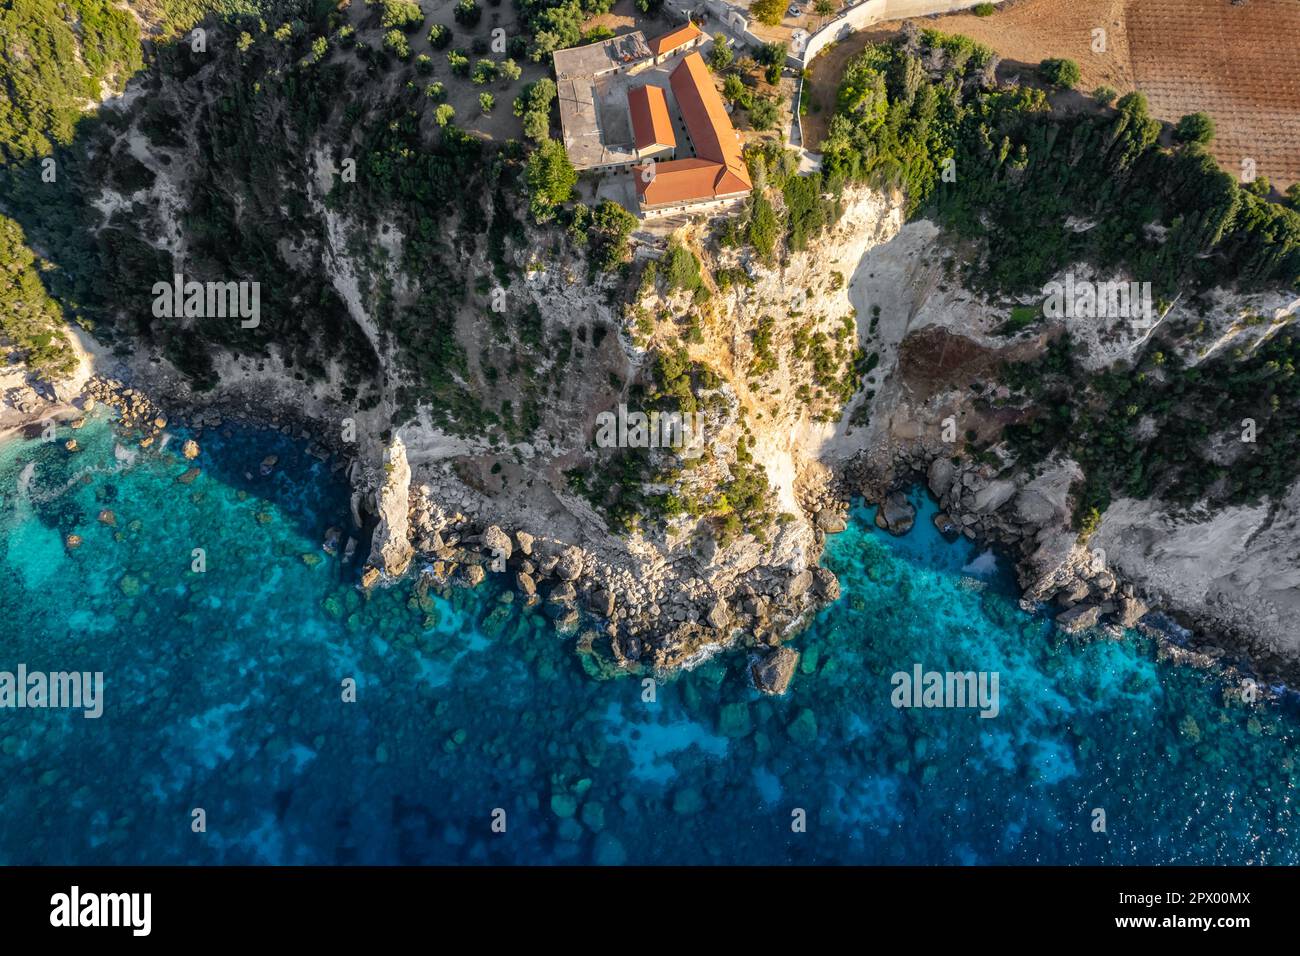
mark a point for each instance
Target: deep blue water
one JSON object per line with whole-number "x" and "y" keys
{"x": 223, "y": 692}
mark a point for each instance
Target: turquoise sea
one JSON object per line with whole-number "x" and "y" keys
{"x": 223, "y": 691}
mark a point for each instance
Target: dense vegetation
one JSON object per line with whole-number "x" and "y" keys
{"x": 29, "y": 318}
{"x": 256, "y": 126}
{"x": 556, "y": 24}
{"x": 1018, "y": 171}
{"x": 1164, "y": 427}
{"x": 996, "y": 164}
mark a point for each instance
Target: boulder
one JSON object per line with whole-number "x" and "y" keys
{"x": 600, "y": 602}
{"x": 799, "y": 584}
{"x": 498, "y": 542}
{"x": 563, "y": 593}
{"x": 830, "y": 521}
{"x": 569, "y": 565}
{"x": 827, "y": 584}
{"x": 190, "y": 449}
{"x": 947, "y": 527}
{"x": 993, "y": 496}
{"x": 566, "y": 624}
{"x": 1081, "y": 617}
{"x": 773, "y": 671}
{"x": 939, "y": 476}
{"x": 719, "y": 617}
{"x": 525, "y": 541}
{"x": 474, "y": 574}
{"x": 1131, "y": 610}
{"x": 895, "y": 514}
{"x": 524, "y": 581}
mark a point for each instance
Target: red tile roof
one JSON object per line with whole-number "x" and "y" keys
{"x": 650, "y": 122}
{"x": 718, "y": 169}
{"x": 674, "y": 39}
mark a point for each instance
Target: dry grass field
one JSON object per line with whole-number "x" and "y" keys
{"x": 1240, "y": 64}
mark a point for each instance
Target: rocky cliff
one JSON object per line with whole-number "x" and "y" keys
{"x": 459, "y": 360}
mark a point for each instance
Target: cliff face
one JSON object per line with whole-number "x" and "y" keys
{"x": 463, "y": 363}
{"x": 1229, "y": 572}
{"x": 669, "y": 591}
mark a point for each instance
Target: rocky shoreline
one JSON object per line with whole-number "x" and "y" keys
{"x": 1027, "y": 520}
{"x": 628, "y": 622}
{"x": 633, "y": 620}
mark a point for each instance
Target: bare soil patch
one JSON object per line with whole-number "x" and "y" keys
{"x": 1240, "y": 64}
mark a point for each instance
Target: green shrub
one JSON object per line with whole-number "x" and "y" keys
{"x": 395, "y": 42}
{"x": 468, "y": 13}
{"x": 1194, "y": 128}
{"x": 439, "y": 36}
{"x": 1060, "y": 72}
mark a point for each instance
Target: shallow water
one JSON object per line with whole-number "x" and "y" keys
{"x": 223, "y": 692}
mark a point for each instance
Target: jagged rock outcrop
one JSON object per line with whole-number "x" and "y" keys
{"x": 391, "y": 550}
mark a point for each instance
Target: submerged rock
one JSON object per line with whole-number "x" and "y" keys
{"x": 733, "y": 720}
{"x": 803, "y": 729}
{"x": 609, "y": 851}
